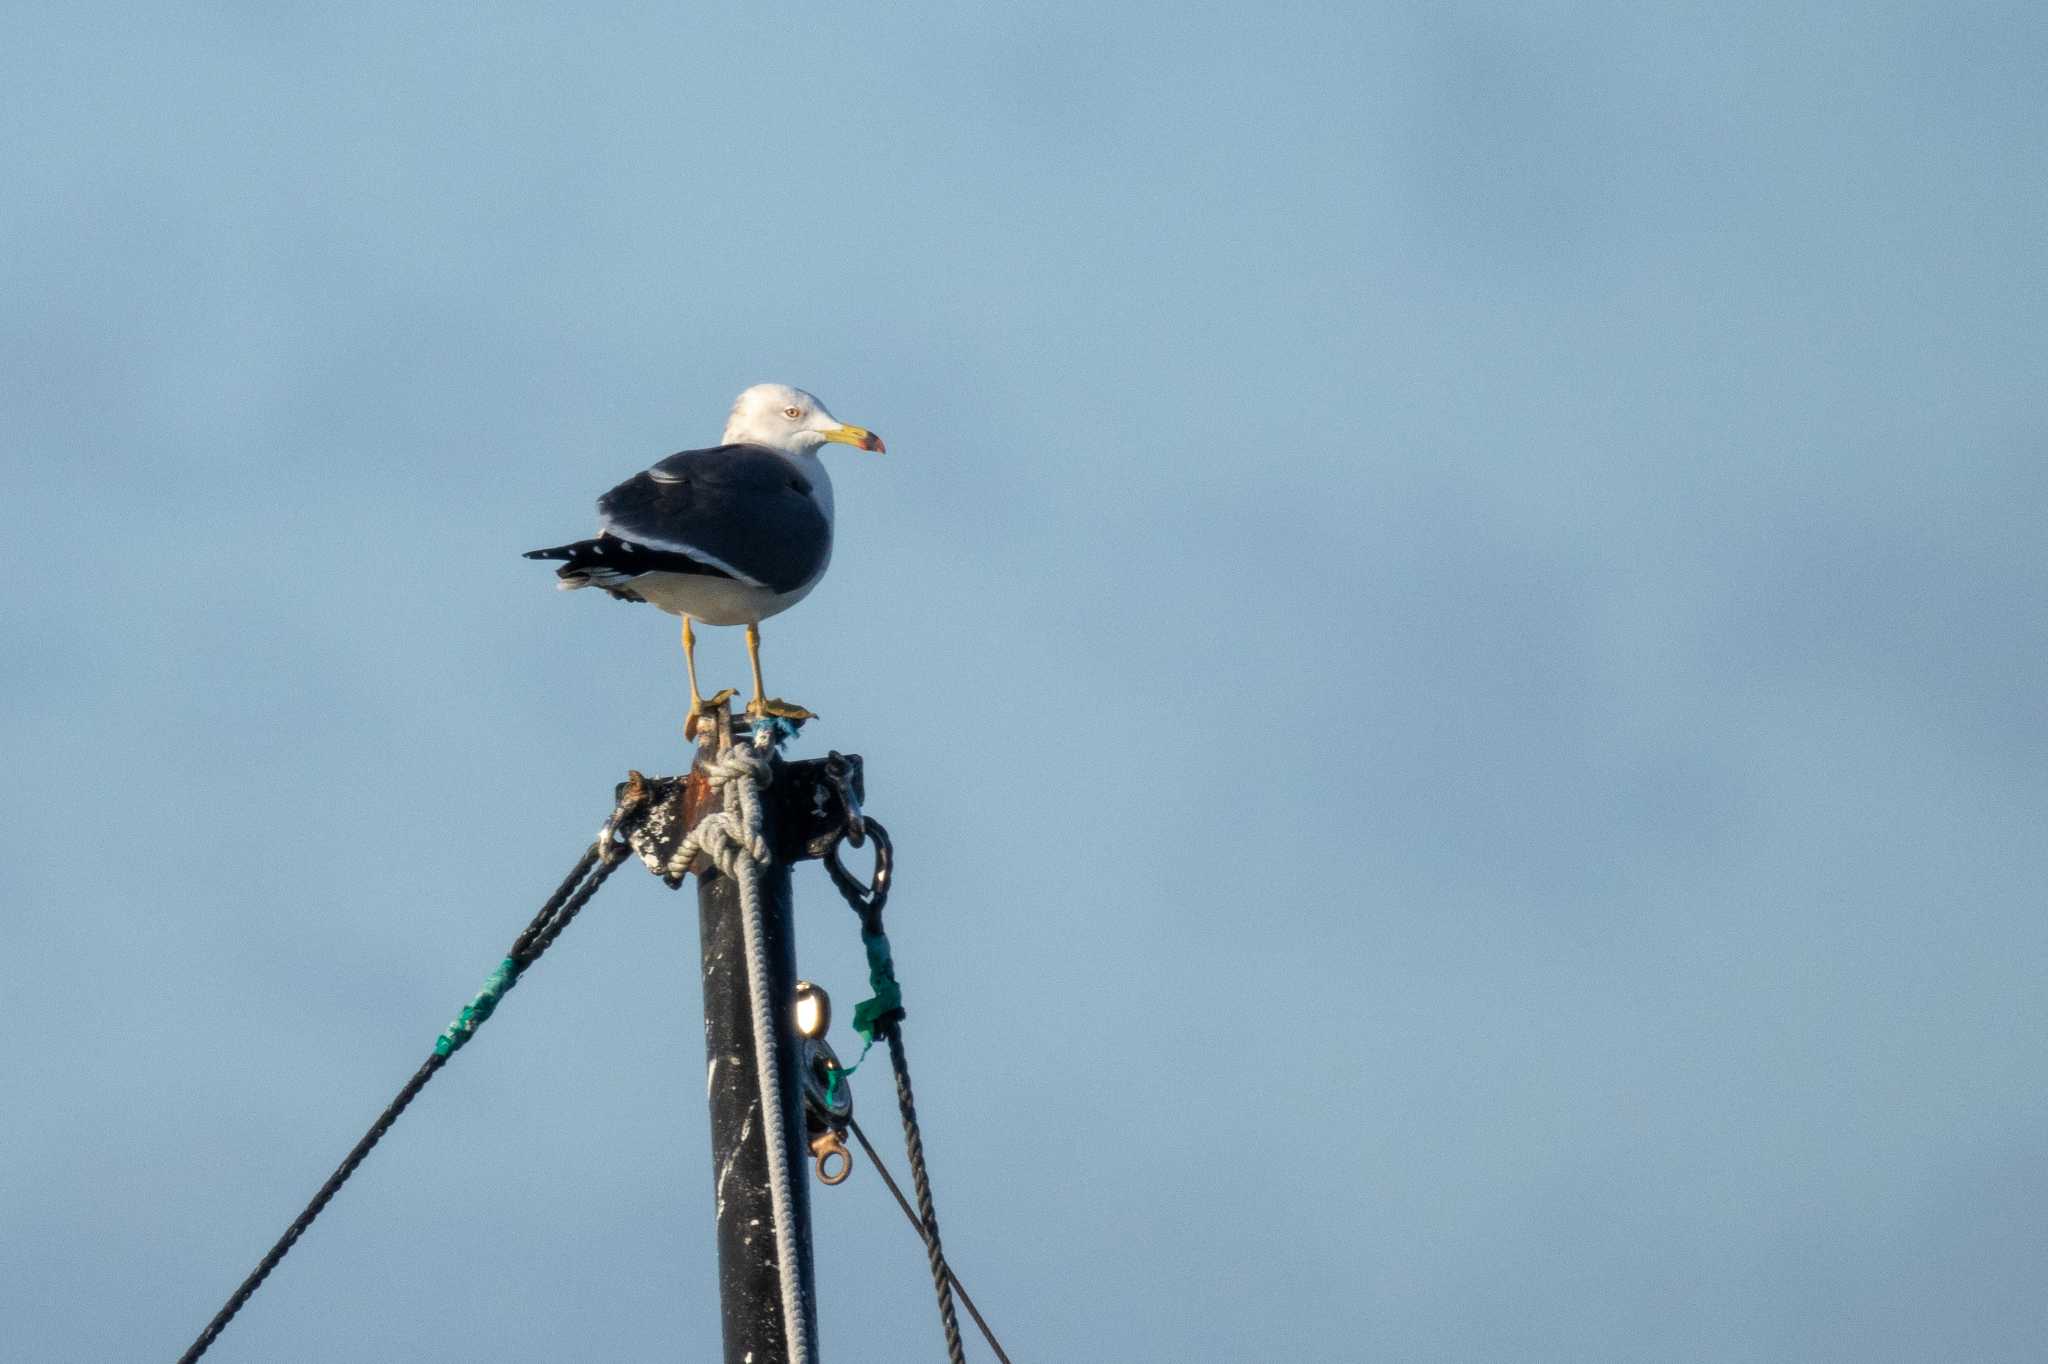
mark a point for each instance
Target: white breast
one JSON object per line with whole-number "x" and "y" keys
{"x": 716, "y": 601}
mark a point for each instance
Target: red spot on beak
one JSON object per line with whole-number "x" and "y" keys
{"x": 871, "y": 441}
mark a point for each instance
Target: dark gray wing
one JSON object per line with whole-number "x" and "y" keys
{"x": 741, "y": 508}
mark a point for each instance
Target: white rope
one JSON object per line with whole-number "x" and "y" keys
{"x": 732, "y": 839}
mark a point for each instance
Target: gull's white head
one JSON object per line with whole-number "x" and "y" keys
{"x": 785, "y": 418}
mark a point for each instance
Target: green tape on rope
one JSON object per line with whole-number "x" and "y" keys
{"x": 887, "y": 1004}
{"x": 840, "y": 1075}
{"x": 477, "y": 1010}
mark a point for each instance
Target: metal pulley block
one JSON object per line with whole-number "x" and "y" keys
{"x": 828, "y": 1094}
{"x": 828, "y": 1107}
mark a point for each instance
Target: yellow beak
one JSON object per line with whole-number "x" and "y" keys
{"x": 857, "y": 436}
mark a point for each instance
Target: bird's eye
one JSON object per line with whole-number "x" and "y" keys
{"x": 792, "y": 412}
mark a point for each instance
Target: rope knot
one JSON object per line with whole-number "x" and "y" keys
{"x": 739, "y": 763}
{"x": 730, "y": 835}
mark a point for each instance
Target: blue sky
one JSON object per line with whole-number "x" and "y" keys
{"x": 1451, "y": 635}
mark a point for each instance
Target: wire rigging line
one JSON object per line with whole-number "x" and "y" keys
{"x": 875, "y": 1158}
{"x": 882, "y": 1016}
{"x": 576, "y": 890}
{"x": 927, "y": 1214}
{"x": 732, "y": 840}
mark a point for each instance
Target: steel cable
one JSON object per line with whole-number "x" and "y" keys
{"x": 568, "y": 900}
{"x": 966, "y": 1298}
{"x": 920, "y": 1182}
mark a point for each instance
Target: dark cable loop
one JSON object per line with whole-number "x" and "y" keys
{"x": 867, "y": 897}
{"x": 569, "y": 898}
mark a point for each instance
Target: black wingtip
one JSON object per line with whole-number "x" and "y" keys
{"x": 558, "y": 552}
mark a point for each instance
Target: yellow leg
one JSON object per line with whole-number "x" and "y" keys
{"x": 754, "y": 658}
{"x": 699, "y": 707}
{"x": 690, "y": 662}
{"x": 761, "y": 705}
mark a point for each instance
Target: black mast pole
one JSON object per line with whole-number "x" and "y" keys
{"x": 749, "y": 1269}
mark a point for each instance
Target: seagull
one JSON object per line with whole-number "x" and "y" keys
{"x": 728, "y": 535}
